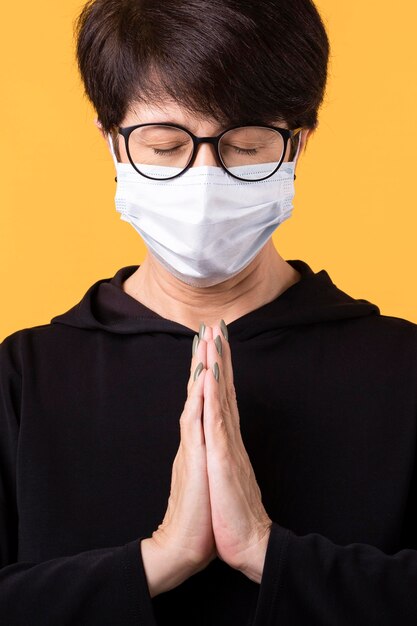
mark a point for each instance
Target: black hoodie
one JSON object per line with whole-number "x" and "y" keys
{"x": 89, "y": 428}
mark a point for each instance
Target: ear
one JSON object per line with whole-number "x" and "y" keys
{"x": 305, "y": 136}
{"x": 100, "y": 127}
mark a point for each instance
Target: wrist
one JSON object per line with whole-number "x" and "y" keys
{"x": 255, "y": 559}
{"x": 164, "y": 569}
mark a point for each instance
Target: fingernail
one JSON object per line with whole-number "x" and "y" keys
{"x": 219, "y": 346}
{"x": 223, "y": 328}
{"x": 196, "y": 341}
{"x": 202, "y": 329}
{"x": 216, "y": 371}
{"x": 198, "y": 370}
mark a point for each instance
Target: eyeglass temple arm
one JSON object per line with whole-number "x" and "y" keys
{"x": 294, "y": 133}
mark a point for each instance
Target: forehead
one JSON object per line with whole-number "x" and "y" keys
{"x": 140, "y": 113}
{"x": 171, "y": 111}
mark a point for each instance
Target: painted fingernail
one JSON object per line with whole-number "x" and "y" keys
{"x": 224, "y": 330}
{"x": 216, "y": 371}
{"x": 198, "y": 370}
{"x": 202, "y": 329}
{"x": 219, "y": 346}
{"x": 196, "y": 341}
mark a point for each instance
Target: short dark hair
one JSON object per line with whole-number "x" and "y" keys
{"x": 232, "y": 60}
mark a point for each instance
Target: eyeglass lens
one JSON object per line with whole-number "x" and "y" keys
{"x": 161, "y": 146}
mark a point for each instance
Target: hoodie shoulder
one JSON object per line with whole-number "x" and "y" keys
{"x": 394, "y": 325}
{"x": 15, "y": 337}
{"x": 14, "y": 342}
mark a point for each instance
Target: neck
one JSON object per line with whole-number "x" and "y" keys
{"x": 265, "y": 278}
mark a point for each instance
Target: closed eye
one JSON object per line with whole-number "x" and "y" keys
{"x": 250, "y": 152}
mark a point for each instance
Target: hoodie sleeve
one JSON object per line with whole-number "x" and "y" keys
{"x": 105, "y": 586}
{"x": 308, "y": 579}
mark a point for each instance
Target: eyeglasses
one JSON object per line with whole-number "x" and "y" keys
{"x": 165, "y": 150}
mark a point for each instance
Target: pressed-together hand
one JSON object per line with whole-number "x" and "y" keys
{"x": 184, "y": 544}
{"x": 241, "y": 526}
{"x": 215, "y": 505}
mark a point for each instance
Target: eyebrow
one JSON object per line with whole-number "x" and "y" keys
{"x": 218, "y": 129}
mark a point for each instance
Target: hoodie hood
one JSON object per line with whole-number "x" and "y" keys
{"x": 313, "y": 299}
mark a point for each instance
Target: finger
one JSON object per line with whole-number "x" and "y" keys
{"x": 228, "y": 387}
{"x": 199, "y": 353}
{"x": 214, "y": 360}
{"x": 218, "y": 430}
{"x": 198, "y": 357}
{"x": 195, "y": 387}
{"x": 206, "y": 332}
{"x": 214, "y": 424}
{"x": 191, "y": 428}
{"x": 225, "y": 353}
{"x": 228, "y": 398}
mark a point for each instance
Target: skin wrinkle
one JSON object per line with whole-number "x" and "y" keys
{"x": 241, "y": 525}
{"x": 262, "y": 281}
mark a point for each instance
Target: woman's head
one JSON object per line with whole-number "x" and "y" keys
{"x": 232, "y": 61}
{"x": 208, "y": 66}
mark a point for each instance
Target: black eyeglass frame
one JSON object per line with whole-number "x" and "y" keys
{"x": 286, "y": 134}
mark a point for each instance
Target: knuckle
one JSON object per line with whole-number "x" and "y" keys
{"x": 224, "y": 404}
{"x": 183, "y": 423}
{"x": 184, "y": 429}
{"x": 231, "y": 392}
{"x": 217, "y": 418}
{"x": 189, "y": 410}
{"x": 221, "y": 435}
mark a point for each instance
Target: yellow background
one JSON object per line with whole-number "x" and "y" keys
{"x": 355, "y": 211}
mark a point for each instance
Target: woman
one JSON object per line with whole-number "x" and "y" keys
{"x": 217, "y": 436}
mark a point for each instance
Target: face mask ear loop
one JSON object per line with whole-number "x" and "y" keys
{"x": 111, "y": 146}
{"x": 298, "y": 151}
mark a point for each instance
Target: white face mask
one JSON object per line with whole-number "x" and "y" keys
{"x": 204, "y": 226}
